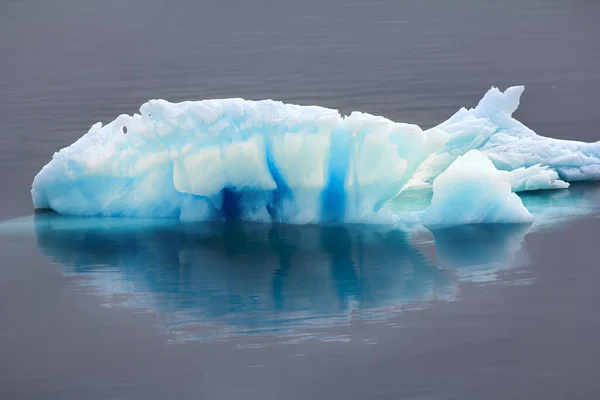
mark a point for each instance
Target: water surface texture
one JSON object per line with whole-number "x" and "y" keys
{"x": 153, "y": 309}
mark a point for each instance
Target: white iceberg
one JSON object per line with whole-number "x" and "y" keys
{"x": 270, "y": 161}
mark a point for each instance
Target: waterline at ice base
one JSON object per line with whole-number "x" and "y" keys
{"x": 267, "y": 161}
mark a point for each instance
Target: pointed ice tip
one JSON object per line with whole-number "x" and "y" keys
{"x": 496, "y": 102}
{"x": 515, "y": 91}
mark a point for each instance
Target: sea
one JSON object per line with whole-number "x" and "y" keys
{"x": 135, "y": 309}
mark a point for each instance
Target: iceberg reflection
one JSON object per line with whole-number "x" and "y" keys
{"x": 212, "y": 280}
{"x": 478, "y": 252}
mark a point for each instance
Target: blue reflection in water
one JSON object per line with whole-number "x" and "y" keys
{"x": 221, "y": 279}
{"x": 478, "y": 252}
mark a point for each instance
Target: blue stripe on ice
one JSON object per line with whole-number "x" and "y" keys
{"x": 231, "y": 208}
{"x": 283, "y": 191}
{"x": 333, "y": 206}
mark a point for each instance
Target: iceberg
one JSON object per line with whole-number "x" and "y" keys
{"x": 268, "y": 161}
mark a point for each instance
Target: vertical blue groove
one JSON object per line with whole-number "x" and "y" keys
{"x": 282, "y": 192}
{"x": 231, "y": 207}
{"x": 333, "y": 197}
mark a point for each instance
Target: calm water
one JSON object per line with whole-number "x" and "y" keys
{"x": 117, "y": 309}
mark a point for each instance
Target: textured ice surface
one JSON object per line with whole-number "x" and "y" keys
{"x": 233, "y": 158}
{"x": 535, "y": 177}
{"x": 269, "y": 161}
{"x": 473, "y": 191}
{"x": 510, "y": 145}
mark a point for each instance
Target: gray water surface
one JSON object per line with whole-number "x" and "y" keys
{"x": 115, "y": 310}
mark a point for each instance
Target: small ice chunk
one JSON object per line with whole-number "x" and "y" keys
{"x": 473, "y": 191}
{"x": 536, "y": 177}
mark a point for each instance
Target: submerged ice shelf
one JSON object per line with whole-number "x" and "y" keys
{"x": 270, "y": 161}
